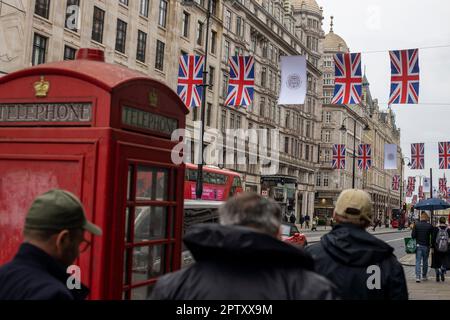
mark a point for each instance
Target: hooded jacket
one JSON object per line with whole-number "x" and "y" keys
{"x": 349, "y": 256}
{"x": 235, "y": 263}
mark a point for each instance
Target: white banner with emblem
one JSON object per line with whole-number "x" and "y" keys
{"x": 293, "y": 80}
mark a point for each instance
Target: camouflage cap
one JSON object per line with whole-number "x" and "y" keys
{"x": 58, "y": 210}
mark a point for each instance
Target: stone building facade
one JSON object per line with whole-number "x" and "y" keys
{"x": 150, "y": 35}
{"x": 382, "y": 130}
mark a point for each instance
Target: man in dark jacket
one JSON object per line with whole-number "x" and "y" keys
{"x": 54, "y": 237}
{"x": 422, "y": 232}
{"x": 241, "y": 258}
{"x": 359, "y": 264}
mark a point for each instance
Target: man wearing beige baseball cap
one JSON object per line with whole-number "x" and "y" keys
{"x": 54, "y": 237}
{"x": 350, "y": 256}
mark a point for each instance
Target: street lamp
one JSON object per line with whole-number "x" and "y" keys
{"x": 344, "y": 129}
{"x": 204, "y": 85}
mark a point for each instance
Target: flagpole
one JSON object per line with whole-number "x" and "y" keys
{"x": 199, "y": 184}
{"x": 431, "y": 191}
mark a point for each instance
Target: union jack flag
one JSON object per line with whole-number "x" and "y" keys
{"x": 421, "y": 194}
{"x": 395, "y": 182}
{"x": 364, "y": 156}
{"x": 242, "y": 81}
{"x": 348, "y": 80}
{"x": 417, "y": 156}
{"x": 414, "y": 200}
{"x": 404, "y": 76}
{"x": 444, "y": 155}
{"x": 338, "y": 156}
{"x": 409, "y": 193}
{"x": 411, "y": 183}
{"x": 190, "y": 80}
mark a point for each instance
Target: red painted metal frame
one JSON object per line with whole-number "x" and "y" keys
{"x": 104, "y": 148}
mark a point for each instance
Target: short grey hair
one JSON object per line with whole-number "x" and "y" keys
{"x": 252, "y": 210}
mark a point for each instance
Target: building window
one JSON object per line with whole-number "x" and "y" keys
{"x": 318, "y": 180}
{"x": 208, "y": 114}
{"x": 162, "y": 13}
{"x": 328, "y": 117}
{"x": 185, "y": 30}
{"x": 225, "y": 85}
{"x": 286, "y": 144}
{"x": 238, "y": 121}
{"x": 200, "y": 33}
{"x": 308, "y": 129}
{"x": 262, "y": 105}
{"x": 327, "y": 136}
{"x": 226, "y": 49}
{"x": 325, "y": 180}
{"x": 159, "y": 60}
{"x": 228, "y": 19}
{"x": 327, "y": 155}
{"x": 239, "y": 26}
{"x": 195, "y": 114}
{"x": 307, "y": 152}
{"x": 212, "y": 75}
{"x": 224, "y": 120}
{"x": 232, "y": 120}
{"x": 42, "y": 8}
{"x": 97, "y": 25}
{"x": 124, "y": 2}
{"x": 141, "y": 46}
{"x": 72, "y": 14}
{"x": 214, "y": 7}
{"x": 69, "y": 53}
{"x": 263, "y": 77}
{"x": 213, "y": 42}
{"x": 39, "y": 49}
{"x": 143, "y": 8}
{"x": 121, "y": 36}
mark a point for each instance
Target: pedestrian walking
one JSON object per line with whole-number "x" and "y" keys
{"x": 292, "y": 218}
{"x": 307, "y": 219}
{"x": 422, "y": 232}
{"x": 302, "y": 221}
{"x": 315, "y": 223}
{"x": 54, "y": 236}
{"x": 347, "y": 254}
{"x": 243, "y": 258}
{"x": 440, "y": 254}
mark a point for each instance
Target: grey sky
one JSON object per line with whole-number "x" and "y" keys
{"x": 403, "y": 24}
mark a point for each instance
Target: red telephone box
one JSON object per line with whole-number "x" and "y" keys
{"x": 103, "y": 132}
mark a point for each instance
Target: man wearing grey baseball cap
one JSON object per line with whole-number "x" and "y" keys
{"x": 54, "y": 237}
{"x": 349, "y": 256}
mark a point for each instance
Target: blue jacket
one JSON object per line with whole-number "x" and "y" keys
{"x": 34, "y": 275}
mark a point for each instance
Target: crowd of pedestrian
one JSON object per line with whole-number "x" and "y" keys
{"x": 241, "y": 257}
{"x": 434, "y": 240}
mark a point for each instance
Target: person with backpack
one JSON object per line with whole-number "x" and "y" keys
{"x": 440, "y": 254}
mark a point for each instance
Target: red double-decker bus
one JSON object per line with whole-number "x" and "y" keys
{"x": 218, "y": 184}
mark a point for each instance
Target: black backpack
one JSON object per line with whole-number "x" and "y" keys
{"x": 442, "y": 240}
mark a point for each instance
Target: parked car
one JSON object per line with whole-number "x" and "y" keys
{"x": 291, "y": 234}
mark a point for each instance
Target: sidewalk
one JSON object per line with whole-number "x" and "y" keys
{"x": 425, "y": 290}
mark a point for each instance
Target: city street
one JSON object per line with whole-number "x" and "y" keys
{"x": 149, "y": 132}
{"x": 426, "y": 290}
